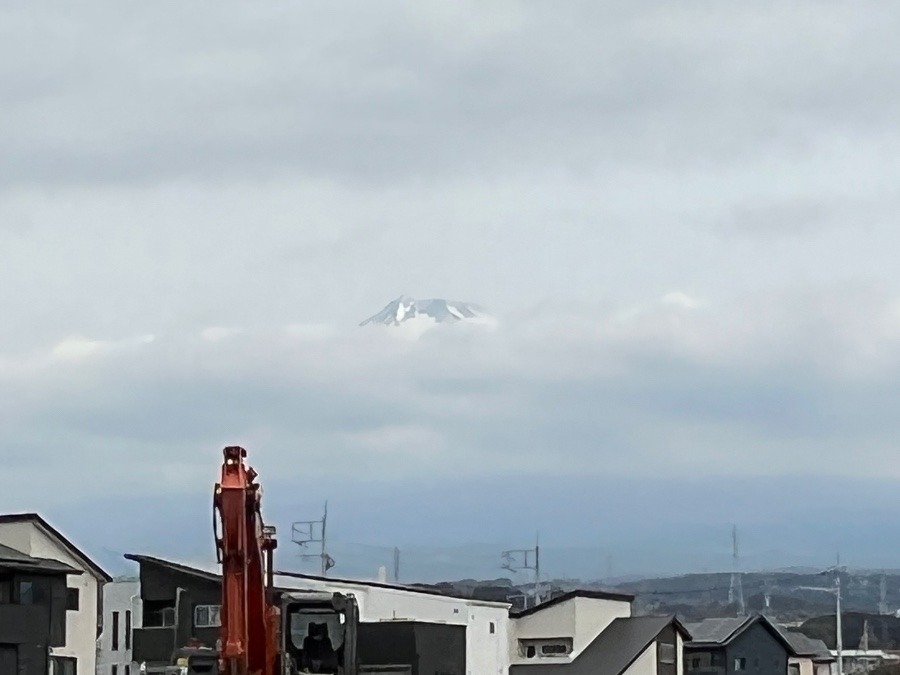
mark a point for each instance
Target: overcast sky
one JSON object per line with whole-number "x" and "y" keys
{"x": 683, "y": 216}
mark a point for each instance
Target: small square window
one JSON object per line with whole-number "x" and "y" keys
{"x": 740, "y": 663}
{"x": 72, "y": 599}
{"x": 493, "y": 628}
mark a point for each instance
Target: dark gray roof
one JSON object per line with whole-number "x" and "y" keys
{"x": 720, "y": 632}
{"x": 10, "y": 558}
{"x": 613, "y": 651}
{"x": 806, "y": 646}
{"x": 717, "y": 631}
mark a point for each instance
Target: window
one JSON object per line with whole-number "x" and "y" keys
{"x": 114, "y": 670}
{"x": 72, "y": 599}
{"x": 159, "y": 614}
{"x": 127, "y": 669}
{"x": 541, "y": 647}
{"x": 740, "y": 663}
{"x": 63, "y": 665}
{"x": 5, "y": 591}
{"x": 26, "y": 593}
{"x": 554, "y": 649}
{"x": 206, "y": 616}
{"x": 666, "y": 653}
{"x": 493, "y": 628}
{"x": 127, "y": 632}
{"x": 115, "y": 631}
{"x": 695, "y": 664}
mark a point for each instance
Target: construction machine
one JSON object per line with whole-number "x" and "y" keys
{"x": 264, "y": 631}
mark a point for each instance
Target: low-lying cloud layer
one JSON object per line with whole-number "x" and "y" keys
{"x": 683, "y": 217}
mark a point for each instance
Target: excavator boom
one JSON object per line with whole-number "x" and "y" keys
{"x": 244, "y": 546}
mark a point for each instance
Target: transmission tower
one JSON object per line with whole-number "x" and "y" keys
{"x": 736, "y": 590}
{"x": 305, "y": 532}
{"x": 518, "y": 560}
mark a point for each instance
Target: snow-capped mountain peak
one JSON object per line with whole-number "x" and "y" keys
{"x": 433, "y": 310}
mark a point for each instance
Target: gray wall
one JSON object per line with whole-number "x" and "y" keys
{"x": 764, "y": 653}
{"x": 24, "y": 633}
{"x": 430, "y": 649}
{"x": 27, "y": 631}
{"x": 163, "y": 586}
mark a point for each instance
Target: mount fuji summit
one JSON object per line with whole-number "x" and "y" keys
{"x": 406, "y": 311}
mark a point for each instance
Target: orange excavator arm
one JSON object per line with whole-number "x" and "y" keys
{"x": 244, "y": 547}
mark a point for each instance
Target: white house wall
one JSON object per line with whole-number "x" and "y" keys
{"x": 486, "y": 653}
{"x": 121, "y": 597}
{"x": 581, "y": 619}
{"x": 593, "y": 616}
{"x": 679, "y": 653}
{"x": 554, "y": 621}
{"x": 645, "y": 664}
{"x": 81, "y": 626}
{"x": 806, "y": 665}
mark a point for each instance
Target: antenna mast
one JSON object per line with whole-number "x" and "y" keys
{"x": 517, "y": 560}
{"x": 305, "y": 532}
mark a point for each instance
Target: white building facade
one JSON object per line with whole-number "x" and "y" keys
{"x": 559, "y": 630}
{"x": 122, "y": 613}
{"x": 487, "y": 623}
{"x": 32, "y": 535}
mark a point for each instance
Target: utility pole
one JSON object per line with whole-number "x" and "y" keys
{"x": 836, "y": 589}
{"x": 837, "y": 569}
{"x": 736, "y": 589}
{"x": 516, "y": 560}
{"x": 305, "y": 532}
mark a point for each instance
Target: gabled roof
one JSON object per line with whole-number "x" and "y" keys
{"x": 805, "y": 646}
{"x": 614, "y": 650}
{"x": 51, "y": 531}
{"x": 720, "y": 632}
{"x": 578, "y": 593}
{"x": 10, "y": 558}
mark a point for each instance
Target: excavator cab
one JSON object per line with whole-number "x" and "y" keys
{"x": 318, "y": 632}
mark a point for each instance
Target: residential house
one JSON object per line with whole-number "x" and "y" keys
{"x": 30, "y": 534}
{"x": 34, "y": 601}
{"x": 437, "y": 633}
{"x": 174, "y": 605}
{"x": 560, "y": 629}
{"x": 750, "y": 645}
{"x": 809, "y": 656}
{"x": 594, "y": 633}
{"x": 122, "y": 613}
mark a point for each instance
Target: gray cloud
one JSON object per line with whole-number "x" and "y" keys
{"x": 682, "y": 215}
